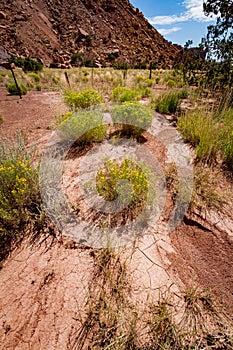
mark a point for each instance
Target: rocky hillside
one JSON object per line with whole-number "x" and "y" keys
{"x": 54, "y": 30}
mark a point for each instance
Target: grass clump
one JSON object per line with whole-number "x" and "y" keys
{"x": 109, "y": 321}
{"x": 38, "y": 87}
{"x": 162, "y": 330}
{"x": 169, "y": 103}
{"x": 210, "y": 133}
{"x": 132, "y": 118}
{"x": 226, "y": 137}
{"x": 202, "y": 131}
{"x": 109, "y": 187}
{"x": 12, "y": 89}
{"x": 123, "y": 94}
{"x": 82, "y": 127}
{"x": 83, "y": 100}
{"x": 35, "y": 76}
{"x": 208, "y": 193}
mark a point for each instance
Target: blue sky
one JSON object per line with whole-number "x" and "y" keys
{"x": 177, "y": 20}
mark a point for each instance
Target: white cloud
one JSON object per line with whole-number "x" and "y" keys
{"x": 162, "y": 20}
{"x": 166, "y": 31}
{"x": 194, "y": 11}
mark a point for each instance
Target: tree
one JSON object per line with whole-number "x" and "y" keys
{"x": 219, "y": 40}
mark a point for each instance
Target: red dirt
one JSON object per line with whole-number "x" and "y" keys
{"x": 34, "y": 114}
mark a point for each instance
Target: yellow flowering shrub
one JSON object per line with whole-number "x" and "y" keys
{"x": 108, "y": 177}
{"x": 19, "y": 189}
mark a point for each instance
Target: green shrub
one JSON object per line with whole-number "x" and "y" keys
{"x": 107, "y": 180}
{"x": 89, "y": 62}
{"x": 139, "y": 79}
{"x": 144, "y": 83}
{"x": 123, "y": 94}
{"x": 111, "y": 57}
{"x": 184, "y": 93}
{"x": 120, "y": 64}
{"x": 38, "y": 87}
{"x": 77, "y": 59}
{"x": 157, "y": 80}
{"x": 140, "y": 65}
{"x": 35, "y": 76}
{"x": 132, "y": 118}
{"x": 148, "y": 82}
{"x": 12, "y": 89}
{"x": 19, "y": 189}
{"x": 27, "y": 64}
{"x": 83, "y": 127}
{"x": 62, "y": 118}
{"x": 1, "y": 119}
{"x": 84, "y": 99}
{"x": 31, "y": 65}
{"x": 170, "y": 83}
{"x": 19, "y": 61}
{"x": 174, "y": 76}
{"x": 146, "y": 92}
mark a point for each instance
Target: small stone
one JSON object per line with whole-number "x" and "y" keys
{"x": 2, "y": 15}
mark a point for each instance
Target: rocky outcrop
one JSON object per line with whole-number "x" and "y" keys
{"x": 47, "y": 28}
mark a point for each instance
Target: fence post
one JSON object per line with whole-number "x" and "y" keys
{"x": 16, "y": 83}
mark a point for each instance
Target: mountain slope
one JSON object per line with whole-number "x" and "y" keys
{"x": 53, "y": 30}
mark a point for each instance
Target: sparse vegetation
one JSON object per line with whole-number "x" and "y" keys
{"x": 13, "y": 90}
{"x": 112, "y": 321}
{"x": 208, "y": 192}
